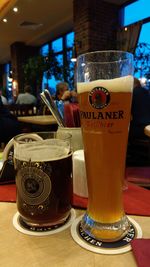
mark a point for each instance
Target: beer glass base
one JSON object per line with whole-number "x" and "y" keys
{"x": 22, "y": 227}
{"x": 107, "y": 232}
{"x": 46, "y": 224}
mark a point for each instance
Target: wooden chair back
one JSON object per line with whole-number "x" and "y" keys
{"x": 22, "y": 110}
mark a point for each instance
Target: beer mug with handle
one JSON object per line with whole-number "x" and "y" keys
{"x": 104, "y": 87}
{"x": 43, "y": 178}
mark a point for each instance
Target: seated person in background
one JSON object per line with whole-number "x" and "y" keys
{"x": 63, "y": 92}
{"x": 140, "y": 111}
{"x": 9, "y": 126}
{"x": 26, "y": 98}
{"x": 3, "y": 98}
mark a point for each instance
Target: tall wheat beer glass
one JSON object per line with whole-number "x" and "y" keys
{"x": 104, "y": 86}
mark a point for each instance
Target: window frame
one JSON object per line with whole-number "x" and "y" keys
{"x": 63, "y": 52}
{"x": 121, "y": 15}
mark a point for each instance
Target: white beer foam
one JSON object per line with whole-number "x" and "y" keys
{"x": 123, "y": 84}
{"x": 40, "y": 151}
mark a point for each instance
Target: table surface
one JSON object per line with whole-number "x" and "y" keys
{"x": 147, "y": 130}
{"x": 58, "y": 250}
{"x": 40, "y": 120}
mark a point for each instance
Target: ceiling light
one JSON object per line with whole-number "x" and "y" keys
{"x": 73, "y": 59}
{"x": 15, "y": 9}
{"x": 5, "y": 20}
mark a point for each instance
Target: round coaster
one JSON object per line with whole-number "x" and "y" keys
{"x": 100, "y": 247}
{"x": 22, "y": 227}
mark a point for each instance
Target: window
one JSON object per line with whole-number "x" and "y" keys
{"x": 145, "y": 33}
{"x": 57, "y": 45}
{"x": 142, "y": 53}
{"x": 136, "y": 11}
{"x": 70, "y": 39}
{"x": 62, "y": 48}
{"x": 60, "y": 59}
{"x": 49, "y": 83}
{"x": 71, "y": 69}
{"x": 7, "y": 70}
{"x": 132, "y": 13}
{"x": 44, "y": 50}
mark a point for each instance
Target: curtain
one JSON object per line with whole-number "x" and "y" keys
{"x": 127, "y": 37}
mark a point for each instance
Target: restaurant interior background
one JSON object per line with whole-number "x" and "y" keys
{"x": 58, "y": 31}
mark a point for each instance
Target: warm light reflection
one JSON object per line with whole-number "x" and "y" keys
{"x": 15, "y": 9}
{"x": 73, "y": 59}
{"x": 3, "y": 4}
{"x": 5, "y": 20}
{"x": 143, "y": 81}
{"x": 15, "y": 88}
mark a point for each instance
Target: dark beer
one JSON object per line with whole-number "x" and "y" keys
{"x": 44, "y": 184}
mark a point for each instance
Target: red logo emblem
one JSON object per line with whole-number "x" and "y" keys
{"x": 99, "y": 97}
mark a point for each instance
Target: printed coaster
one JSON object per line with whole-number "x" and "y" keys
{"x": 24, "y": 228}
{"x": 97, "y": 246}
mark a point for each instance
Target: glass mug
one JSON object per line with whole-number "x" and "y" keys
{"x": 43, "y": 167}
{"x": 104, "y": 85}
{"x": 76, "y": 136}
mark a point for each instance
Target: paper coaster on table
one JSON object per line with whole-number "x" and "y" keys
{"x": 24, "y": 228}
{"x": 97, "y": 246}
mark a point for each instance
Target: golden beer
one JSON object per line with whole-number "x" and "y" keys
{"x": 105, "y": 115}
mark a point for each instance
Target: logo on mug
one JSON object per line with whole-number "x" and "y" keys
{"x": 99, "y": 97}
{"x": 34, "y": 185}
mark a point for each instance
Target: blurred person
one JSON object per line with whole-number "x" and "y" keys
{"x": 26, "y": 98}
{"x": 63, "y": 93}
{"x": 9, "y": 125}
{"x": 140, "y": 111}
{"x": 3, "y": 98}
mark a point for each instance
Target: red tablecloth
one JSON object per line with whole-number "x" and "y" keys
{"x": 136, "y": 200}
{"x": 141, "y": 251}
